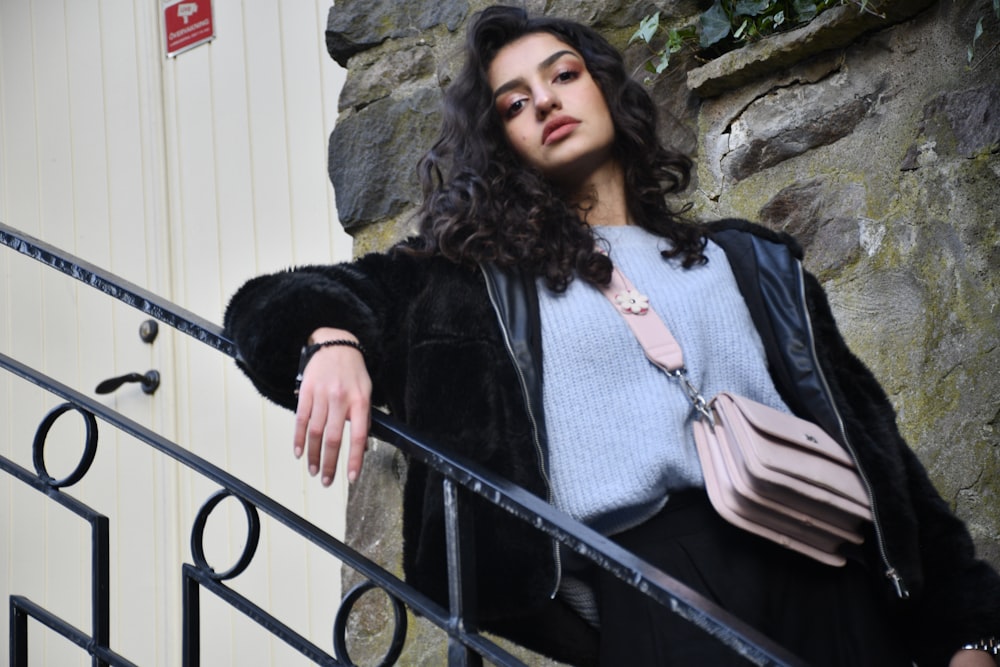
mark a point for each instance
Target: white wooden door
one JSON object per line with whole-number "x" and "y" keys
{"x": 185, "y": 176}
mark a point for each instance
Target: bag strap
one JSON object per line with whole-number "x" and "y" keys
{"x": 657, "y": 342}
{"x": 653, "y": 335}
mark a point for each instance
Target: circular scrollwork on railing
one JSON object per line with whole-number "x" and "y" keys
{"x": 89, "y": 446}
{"x": 198, "y": 535}
{"x": 340, "y": 624}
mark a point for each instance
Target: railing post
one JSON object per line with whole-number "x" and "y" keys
{"x": 462, "y": 595}
{"x": 18, "y": 635}
{"x": 101, "y": 578}
{"x": 191, "y": 623}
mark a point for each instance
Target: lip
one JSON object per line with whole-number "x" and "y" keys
{"x": 550, "y": 132}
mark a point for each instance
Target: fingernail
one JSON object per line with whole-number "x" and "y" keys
{"x": 298, "y": 452}
{"x": 352, "y": 476}
{"x": 327, "y": 481}
{"x": 313, "y": 470}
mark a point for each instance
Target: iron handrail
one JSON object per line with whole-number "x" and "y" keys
{"x": 574, "y": 535}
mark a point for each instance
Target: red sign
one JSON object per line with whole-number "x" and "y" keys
{"x": 187, "y": 23}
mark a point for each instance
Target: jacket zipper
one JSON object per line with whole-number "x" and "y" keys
{"x": 490, "y": 290}
{"x": 891, "y": 573}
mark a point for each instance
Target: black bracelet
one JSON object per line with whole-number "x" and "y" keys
{"x": 990, "y": 645}
{"x": 309, "y": 350}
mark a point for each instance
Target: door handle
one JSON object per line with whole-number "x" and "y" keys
{"x": 150, "y": 382}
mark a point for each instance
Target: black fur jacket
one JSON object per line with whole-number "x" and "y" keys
{"x": 438, "y": 360}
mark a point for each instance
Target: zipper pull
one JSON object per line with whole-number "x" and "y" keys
{"x": 897, "y": 582}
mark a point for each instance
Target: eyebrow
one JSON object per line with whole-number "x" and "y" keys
{"x": 545, "y": 64}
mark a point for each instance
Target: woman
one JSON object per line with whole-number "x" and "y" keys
{"x": 547, "y": 173}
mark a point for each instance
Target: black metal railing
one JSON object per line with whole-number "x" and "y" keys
{"x": 461, "y": 478}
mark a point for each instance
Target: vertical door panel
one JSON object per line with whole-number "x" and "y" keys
{"x": 186, "y": 176}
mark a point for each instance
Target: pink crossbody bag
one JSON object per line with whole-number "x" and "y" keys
{"x": 766, "y": 471}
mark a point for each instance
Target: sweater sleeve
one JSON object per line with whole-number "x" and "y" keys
{"x": 955, "y": 597}
{"x": 271, "y": 317}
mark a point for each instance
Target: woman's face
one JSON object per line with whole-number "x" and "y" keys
{"x": 553, "y": 113}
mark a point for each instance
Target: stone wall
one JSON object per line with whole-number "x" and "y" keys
{"x": 871, "y": 140}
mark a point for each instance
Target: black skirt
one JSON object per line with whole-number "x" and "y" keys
{"x": 827, "y": 616}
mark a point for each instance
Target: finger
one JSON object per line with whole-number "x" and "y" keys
{"x": 331, "y": 450}
{"x": 302, "y": 412}
{"x": 360, "y": 421}
{"x": 315, "y": 429}
{"x": 333, "y": 433}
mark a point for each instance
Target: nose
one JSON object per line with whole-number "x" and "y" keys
{"x": 546, "y": 101}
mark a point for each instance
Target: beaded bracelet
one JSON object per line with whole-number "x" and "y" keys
{"x": 991, "y": 645}
{"x": 309, "y": 350}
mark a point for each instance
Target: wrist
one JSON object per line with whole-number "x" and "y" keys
{"x": 330, "y": 333}
{"x": 309, "y": 349}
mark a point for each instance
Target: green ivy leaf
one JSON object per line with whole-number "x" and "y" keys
{"x": 742, "y": 29}
{"x": 779, "y": 18}
{"x": 975, "y": 38}
{"x": 675, "y": 41}
{"x": 805, "y": 10}
{"x": 647, "y": 29}
{"x": 750, "y": 7}
{"x": 714, "y": 25}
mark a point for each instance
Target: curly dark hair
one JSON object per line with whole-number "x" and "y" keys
{"x": 481, "y": 203}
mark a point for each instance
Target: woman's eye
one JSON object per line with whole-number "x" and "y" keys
{"x": 515, "y": 107}
{"x": 568, "y": 75}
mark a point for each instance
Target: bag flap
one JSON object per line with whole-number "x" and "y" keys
{"x": 788, "y": 427}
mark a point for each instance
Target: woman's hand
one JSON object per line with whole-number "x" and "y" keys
{"x": 335, "y": 389}
{"x": 967, "y": 658}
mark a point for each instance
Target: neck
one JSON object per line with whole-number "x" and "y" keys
{"x": 603, "y": 199}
